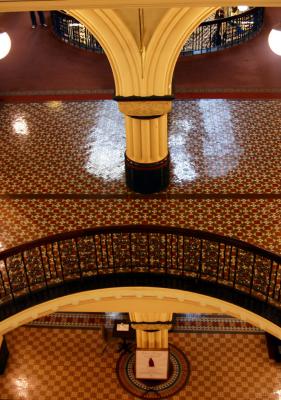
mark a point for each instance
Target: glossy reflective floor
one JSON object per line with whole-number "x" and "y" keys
{"x": 67, "y": 364}
{"x": 62, "y": 168}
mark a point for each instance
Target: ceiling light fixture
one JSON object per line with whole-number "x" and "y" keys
{"x": 5, "y": 44}
{"x": 274, "y": 39}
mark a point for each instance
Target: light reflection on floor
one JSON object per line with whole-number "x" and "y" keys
{"x": 221, "y": 150}
{"x": 106, "y": 147}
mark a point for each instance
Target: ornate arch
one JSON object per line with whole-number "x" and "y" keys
{"x": 138, "y": 299}
{"x": 166, "y": 44}
{"x": 148, "y": 72}
{"x": 119, "y": 46}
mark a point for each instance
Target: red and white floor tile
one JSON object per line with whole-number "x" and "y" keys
{"x": 62, "y": 168}
{"x": 68, "y": 364}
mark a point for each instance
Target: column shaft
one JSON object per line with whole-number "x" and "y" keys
{"x": 147, "y": 155}
{"x": 153, "y": 338}
{"x": 147, "y": 140}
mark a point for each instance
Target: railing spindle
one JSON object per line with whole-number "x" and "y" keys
{"x": 61, "y": 263}
{"x": 78, "y": 258}
{"x": 252, "y": 274}
{"x": 43, "y": 268}
{"x": 25, "y": 272}
{"x": 113, "y": 254}
{"x": 218, "y": 262}
{"x": 55, "y": 261}
{"x": 235, "y": 267}
{"x": 131, "y": 258}
{"x": 48, "y": 261}
{"x": 269, "y": 281}
{"x": 200, "y": 260}
{"x": 9, "y": 280}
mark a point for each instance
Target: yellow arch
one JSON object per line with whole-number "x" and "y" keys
{"x": 148, "y": 72}
{"x": 168, "y": 40}
{"x": 138, "y": 299}
{"x": 119, "y": 46}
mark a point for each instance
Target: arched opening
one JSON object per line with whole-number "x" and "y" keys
{"x": 229, "y": 73}
{"x": 139, "y": 299}
{"x": 41, "y": 65}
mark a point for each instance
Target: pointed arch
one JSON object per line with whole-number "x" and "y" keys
{"x": 151, "y": 72}
{"x": 166, "y": 44}
{"x": 119, "y": 45}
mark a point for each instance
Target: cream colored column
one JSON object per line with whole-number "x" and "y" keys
{"x": 146, "y": 130}
{"x": 151, "y": 340}
{"x": 146, "y": 140}
{"x": 147, "y": 155}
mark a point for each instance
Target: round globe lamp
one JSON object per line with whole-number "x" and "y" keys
{"x": 274, "y": 39}
{"x": 5, "y": 44}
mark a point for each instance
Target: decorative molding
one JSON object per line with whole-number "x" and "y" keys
{"x": 147, "y": 117}
{"x": 144, "y": 98}
{"x": 149, "y": 302}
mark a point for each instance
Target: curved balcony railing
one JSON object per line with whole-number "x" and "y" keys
{"x": 71, "y": 31}
{"x": 139, "y": 255}
{"x": 222, "y": 33}
{"x": 210, "y": 36}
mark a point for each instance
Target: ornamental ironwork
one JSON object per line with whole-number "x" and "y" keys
{"x": 141, "y": 255}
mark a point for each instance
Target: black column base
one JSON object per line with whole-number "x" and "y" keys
{"x": 147, "y": 178}
{"x": 273, "y": 347}
{"x": 4, "y": 354}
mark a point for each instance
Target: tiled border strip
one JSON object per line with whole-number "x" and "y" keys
{"x": 195, "y": 323}
{"x": 161, "y": 196}
{"x": 107, "y": 94}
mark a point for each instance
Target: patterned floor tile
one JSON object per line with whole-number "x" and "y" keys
{"x": 67, "y": 364}
{"x": 181, "y": 322}
{"x": 63, "y": 169}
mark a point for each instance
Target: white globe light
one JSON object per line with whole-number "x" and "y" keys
{"x": 243, "y": 8}
{"x": 5, "y": 44}
{"x": 274, "y": 39}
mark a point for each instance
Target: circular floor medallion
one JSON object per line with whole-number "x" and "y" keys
{"x": 178, "y": 376}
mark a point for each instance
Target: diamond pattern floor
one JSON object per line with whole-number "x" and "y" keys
{"x": 63, "y": 168}
{"x": 66, "y": 364}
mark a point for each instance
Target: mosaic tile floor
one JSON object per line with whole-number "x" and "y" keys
{"x": 66, "y": 364}
{"x": 62, "y": 168}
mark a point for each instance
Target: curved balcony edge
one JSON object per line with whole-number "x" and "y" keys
{"x": 141, "y": 255}
{"x": 120, "y": 280}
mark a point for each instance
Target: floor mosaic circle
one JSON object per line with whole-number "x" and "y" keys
{"x": 178, "y": 376}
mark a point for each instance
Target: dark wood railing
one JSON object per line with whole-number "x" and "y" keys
{"x": 140, "y": 255}
{"x": 71, "y": 31}
{"x": 210, "y": 36}
{"x": 219, "y": 34}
